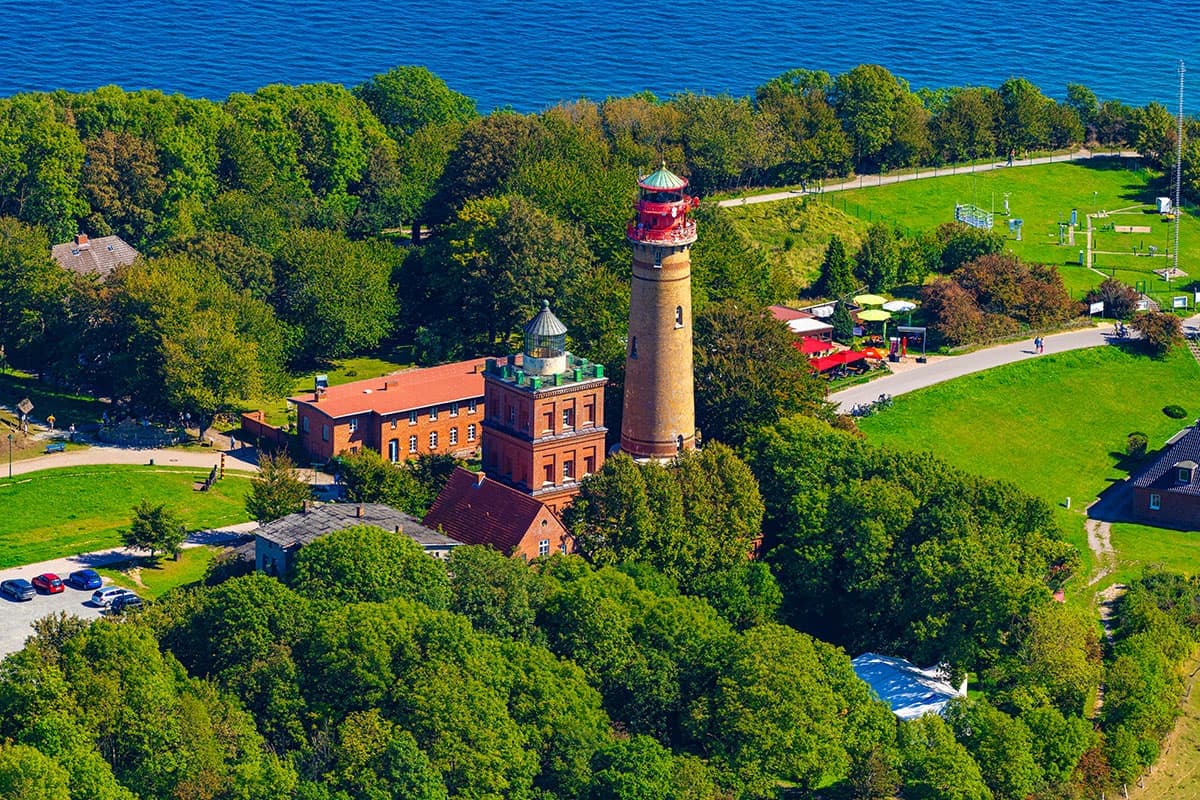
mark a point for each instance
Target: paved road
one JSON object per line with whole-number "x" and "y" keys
{"x": 16, "y": 619}
{"x": 243, "y": 458}
{"x": 865, "y": 181}
{"x": 950, "y": 367}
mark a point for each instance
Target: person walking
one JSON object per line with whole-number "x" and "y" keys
{"x": 1041, "y": 345}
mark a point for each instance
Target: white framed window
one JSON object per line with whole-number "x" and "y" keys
{"x": 412, "y": 444}
{"x": 394, "y": 450}
{"x": 568, "y": 418}
{"x": 432, "y": 413}
{"x": 454, "y": 409}
{"x": 454, "y": 436}
{"x": 568, "y": 470}
{"x": 678, "y": 316}
{"x": 412, "y": 417}
{"x": 354, "y": 424}
{"x": 433, "y": 440}
{"x": 471, "y": 432}
{"x": 393, "y": 423}
{"x": 1185, "y": 475}
{"x": 543, "y": 547}
{"x": 1155, "y": 502}
{"x": 471, "y": 406}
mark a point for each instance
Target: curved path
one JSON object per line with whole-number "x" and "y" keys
{"x": 865, "y": 181}
{"x": 944, "y": 368}
{"x": 243, "y": 459}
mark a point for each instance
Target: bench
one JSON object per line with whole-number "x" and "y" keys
{"x": 56, "y": 447}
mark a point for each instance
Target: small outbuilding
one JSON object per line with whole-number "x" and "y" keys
{"x": 94, "y": 256}
{"x": 911, "y": 691}
{"x": 277, "y": 542}
{"x": 1167, "y": 492}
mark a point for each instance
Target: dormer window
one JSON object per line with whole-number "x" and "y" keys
{"x": 1184, "y": 470}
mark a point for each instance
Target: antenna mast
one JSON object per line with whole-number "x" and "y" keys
{"x": 1178, "y": 164}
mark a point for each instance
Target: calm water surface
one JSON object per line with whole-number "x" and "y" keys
{"x": 529, "y": 54}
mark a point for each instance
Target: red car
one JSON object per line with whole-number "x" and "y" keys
{"x": 48, "y": 582}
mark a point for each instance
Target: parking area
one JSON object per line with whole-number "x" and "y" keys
{"x": 17, "y": 618}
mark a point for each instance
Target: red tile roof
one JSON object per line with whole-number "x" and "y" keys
{"x": 785, "y": 314}
{"x": 401, "y": 391}
{"x": 483, "y": 511}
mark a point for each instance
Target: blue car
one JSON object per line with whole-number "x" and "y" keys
{"x": 18, "y": 589}
{"x": 84, "y": 579}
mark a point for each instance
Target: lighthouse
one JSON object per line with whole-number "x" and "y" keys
{"x": 659, "y": 415}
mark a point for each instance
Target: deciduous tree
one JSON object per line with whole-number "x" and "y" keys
{"x": 277, "y": 489}
{"x": 155, "y": 528}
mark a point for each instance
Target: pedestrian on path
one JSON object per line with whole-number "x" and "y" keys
{"x": 1041, "y": 345}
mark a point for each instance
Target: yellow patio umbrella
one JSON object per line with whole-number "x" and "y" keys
{"x": 869, "y": 300}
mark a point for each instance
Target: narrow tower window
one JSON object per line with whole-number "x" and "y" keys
{"x": 678, "y": 316}
{"x": 679, "y": 443}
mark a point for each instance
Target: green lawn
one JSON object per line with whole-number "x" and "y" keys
{"x": 60, "y": 512}
{"x": 1041, "y": 196}
{"x": 1056, "y": 426}
{"x": 154, "y": 580}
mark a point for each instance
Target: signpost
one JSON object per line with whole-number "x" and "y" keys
{"x": 1096, "y": 308}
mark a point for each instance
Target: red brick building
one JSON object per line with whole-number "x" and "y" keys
{"x": 544, "y": 428}
{"x": 475, "y": 509}
{"x": 400, "y": 416}
{"x": 1167, "y": 493}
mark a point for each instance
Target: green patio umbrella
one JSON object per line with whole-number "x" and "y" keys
{"x": 869, "y": 300}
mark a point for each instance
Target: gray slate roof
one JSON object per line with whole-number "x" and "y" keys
{"x": 94, "y": 256}
{"x": 545, "y": 323}
{"x": 1162, "y": 474}
{"x": 306, "y": 526}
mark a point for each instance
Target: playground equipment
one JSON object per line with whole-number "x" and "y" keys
{"x": 971, "y": 215}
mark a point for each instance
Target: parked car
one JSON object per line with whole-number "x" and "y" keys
{"x": 18, "y": 589}
{"x": 124, "y": 602}
{"x": 102, "y": 597}
{"x": 84, "y": 579}
{"x": 48, "y": 582}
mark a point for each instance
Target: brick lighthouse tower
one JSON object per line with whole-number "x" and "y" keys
{"x": 659, "y": 418}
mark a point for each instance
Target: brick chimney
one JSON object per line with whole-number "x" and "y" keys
{"x": 81, "y": 241}
{"x": 480, "y": 477}
{"x": 358, "y": 512}
{"x": 307, "y": 506}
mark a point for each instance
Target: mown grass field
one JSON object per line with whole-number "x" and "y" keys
{"x": 1056, "y": 426}
{"x": 61, "y": 512}
{"x": 794, "y": 233}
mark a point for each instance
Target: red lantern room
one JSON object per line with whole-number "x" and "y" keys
{"x": 662, "y": 210}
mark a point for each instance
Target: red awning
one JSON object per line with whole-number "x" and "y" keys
{"x": 809, "y": 345}
{"x": 836, "y": 359}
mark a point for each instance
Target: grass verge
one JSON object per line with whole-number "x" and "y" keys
{"x": 151, "y": 580}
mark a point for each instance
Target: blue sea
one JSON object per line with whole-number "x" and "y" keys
{"x": 530, "y": 54}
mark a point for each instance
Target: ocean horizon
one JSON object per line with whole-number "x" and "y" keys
{"x": 533, "y": 54}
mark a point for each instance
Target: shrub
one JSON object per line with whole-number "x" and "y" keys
{"x": 1136, "y": 444}
{"x": 1175, "y": 412}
